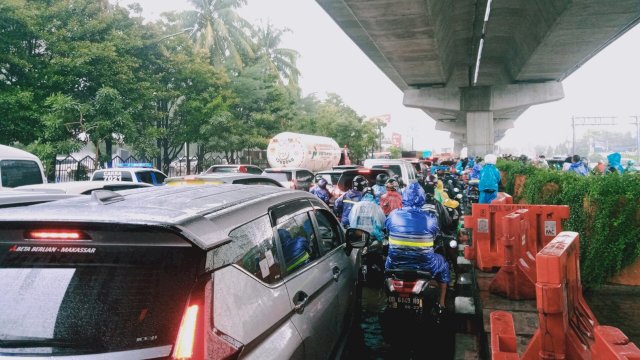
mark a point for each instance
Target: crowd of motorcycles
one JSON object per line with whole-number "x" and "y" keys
{"x": 412, "y": 296}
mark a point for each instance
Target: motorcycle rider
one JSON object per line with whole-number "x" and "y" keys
{"x": 379, "y": 188}
{"x": 411, "y": 235}
{"x": 489, "y": 180}
{"x": 367, "y": 215}
{"x": 320, "y": 190}
{"x": 392, "y": 199}
{"x": 345, "y": 202}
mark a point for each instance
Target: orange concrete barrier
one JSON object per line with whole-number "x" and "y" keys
{"x": 516, "y": 278}
{"x": 567, "y": 327}
{"x": 485, "y": 222}
{"x": 503, "y": 337}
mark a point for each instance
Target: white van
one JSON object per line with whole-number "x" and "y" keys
{"x": 402, "y": 168}
{"x": 18, "y": 168}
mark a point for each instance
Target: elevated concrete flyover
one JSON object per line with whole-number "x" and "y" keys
{"x": 476, "y": 65}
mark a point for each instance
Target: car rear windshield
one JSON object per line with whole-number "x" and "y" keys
{"x": 223, "y": 169}
{"x": 20, "y": 172}
{"x": 395, "y": 169}
{"x": 122, "y": 291}
{"x": 279, "y": 176}
{"x": 346, "y": 179}
{"x": 112, "y": 175}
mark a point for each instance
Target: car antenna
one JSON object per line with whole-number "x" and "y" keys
{"x": 105, "y": 197}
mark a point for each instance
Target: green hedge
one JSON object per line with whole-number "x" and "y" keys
{"x": 605, "y": 210}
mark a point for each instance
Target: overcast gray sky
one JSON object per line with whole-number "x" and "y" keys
{"x": 607, "y": 85}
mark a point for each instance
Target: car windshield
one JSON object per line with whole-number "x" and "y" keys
{"x": 279, "y": 176}
{"x": 19, "y": 172}
{"x": 67, "y": 300}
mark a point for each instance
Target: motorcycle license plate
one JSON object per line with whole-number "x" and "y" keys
{"x": 409, "y": 303}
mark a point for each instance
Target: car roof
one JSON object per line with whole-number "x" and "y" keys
{"x": 204, "y": 214}
{"x": 385, "y": 161}
{"x": 79, "y": 187}
{"x": 8, "y": 152}
{"x": 232, "y": 165}
{"x": 225, "y": 177}
{"x": 128, "y": 168}
{"x": 285, "y": 169}
{"x": 11, "y": 197}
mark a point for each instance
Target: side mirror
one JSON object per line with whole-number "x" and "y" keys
{"x": 357, "y": 238}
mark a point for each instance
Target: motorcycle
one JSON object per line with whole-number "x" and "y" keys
{"x": 373, "y": 258}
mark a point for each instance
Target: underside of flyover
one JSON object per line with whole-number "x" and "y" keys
{"x": 474, "y": 66}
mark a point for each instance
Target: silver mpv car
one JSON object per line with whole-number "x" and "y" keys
{"x": 202, "y": 272}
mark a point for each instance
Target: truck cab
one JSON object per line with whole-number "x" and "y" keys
{"x": 18, "y": 168}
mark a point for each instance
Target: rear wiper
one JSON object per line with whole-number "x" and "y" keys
{"x": 38, "y": 342}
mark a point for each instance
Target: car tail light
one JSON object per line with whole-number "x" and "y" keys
{"x": 197, "y": 338}
{"x": 364, "y": 171}
{"x": 56, "y": 234}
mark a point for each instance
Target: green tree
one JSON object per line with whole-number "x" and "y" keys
{"x": 218, "y": 28}
{"x": 281, "y": 61}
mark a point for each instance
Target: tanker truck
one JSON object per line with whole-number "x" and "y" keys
{"x": 293, "y": 150}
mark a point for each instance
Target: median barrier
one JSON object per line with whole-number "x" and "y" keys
{"x": 567, "y": 327}
{"x": 503, "y": 337}
{"x": 516, "y": 278}
{"x": 502, "y": 198}
{"x": 485, "y": 222}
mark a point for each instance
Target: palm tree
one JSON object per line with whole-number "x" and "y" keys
{"x": 218, "y": 29}
{"x": 279, "y": 60}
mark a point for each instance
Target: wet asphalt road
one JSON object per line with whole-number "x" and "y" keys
{"x": 366, "y": 340}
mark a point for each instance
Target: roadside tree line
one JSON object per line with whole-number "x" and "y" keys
{"x": 79, "y": 71}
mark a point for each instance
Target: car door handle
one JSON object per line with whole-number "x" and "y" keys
{"x": 336, "y": 273}
{"x": 300, "y": 300}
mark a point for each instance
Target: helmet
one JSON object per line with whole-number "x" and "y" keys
{"x": 431, "y": 180}
{"x": 392, "y": 184}
{"x": 322, "y": 183}
{"x": 490, "y": 159}
{"x": 359, "y": 183}
{"x": 381, "y": 179}
{"x": 367, "y": 190}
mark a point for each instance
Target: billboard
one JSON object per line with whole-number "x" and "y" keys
{"x": 396, "y": 140}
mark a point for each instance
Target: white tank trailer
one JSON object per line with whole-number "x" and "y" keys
{"x": 292, "y": 150}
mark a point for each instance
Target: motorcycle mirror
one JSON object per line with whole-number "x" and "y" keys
{"x": 357, "y": 238}
{"x": 453, "y": 244}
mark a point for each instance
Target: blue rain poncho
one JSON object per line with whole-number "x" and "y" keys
{"x": 344, "y": 204}
{"x": 614, "y": 162}
{"x": 321, "y": 193}
{"x": 368, "y": 216}
{"x": 411, "y": 235}
{"x": 488, "y": 186}
{"x": 378, "y": 191}
{"x": 295, "y": 250}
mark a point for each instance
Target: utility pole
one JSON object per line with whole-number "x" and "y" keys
{"x": 637, "y": 124}
{"x": 589, "y": 121}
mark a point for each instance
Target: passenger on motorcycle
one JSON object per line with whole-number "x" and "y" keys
{"x": 489, "y": 180}
{"x": 379, "y": 188}
{"x": 320, "y": 190}
{"x": 367, "y": 215}
{"x": 411, "y": 236}
{"x": 392, "y": 199}
{"x": 345, "y": 202}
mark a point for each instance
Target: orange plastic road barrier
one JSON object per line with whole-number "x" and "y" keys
{"x": 502, "y": 198}
{"x": 516, "y": 279}
{"x": 568, "y": 329}
{"x": 503, "y": 337}
{"x": 485, "y": 222}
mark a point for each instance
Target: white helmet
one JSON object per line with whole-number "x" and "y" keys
{"x": 490, "y": 159}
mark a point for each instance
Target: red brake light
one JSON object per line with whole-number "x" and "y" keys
{"x": 54, "y": 234}
{"x": 364, "y": 171}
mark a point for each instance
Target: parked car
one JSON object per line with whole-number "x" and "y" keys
{"x": 251, "y": 169}
{"x": 177, "y": 272}
{"x": 331, "y": 176}
{"x": 18, "y": 167}
{"x": 137, "y": 173}
{"x": 291, "y": 178}
{"x": 223, "y": 178}
{"x": 403, "y": 168}
{"x": 346, "y": 167}
{"x": 83, "y": 187}
{"x": 346, "y": 179}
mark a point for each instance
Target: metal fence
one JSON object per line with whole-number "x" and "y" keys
{"x": 70, "y": 168}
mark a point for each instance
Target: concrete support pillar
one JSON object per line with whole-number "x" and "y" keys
{"x": 457, "y": 146}
{"x": 480, "y": 135}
